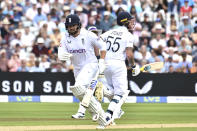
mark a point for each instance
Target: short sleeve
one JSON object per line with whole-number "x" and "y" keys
{"x": 129, "y": 40}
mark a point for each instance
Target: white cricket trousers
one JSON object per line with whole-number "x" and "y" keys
{"x": 116, "y": 76}
{"x": 84, "y": 76}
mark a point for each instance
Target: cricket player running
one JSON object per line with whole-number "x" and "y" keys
{"x": 78, "y": 46}
{"x": 119, "y": 47}
{"x": 81, "y": 111}
{"x": 103, "y": 87}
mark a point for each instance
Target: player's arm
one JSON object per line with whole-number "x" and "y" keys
{"x": 102, "y": 56}
{"x": 101, "y": 45}
{"x": 130, "y": 56}
{"x": 96, "y": 51}
{"x": 63, "y": 54}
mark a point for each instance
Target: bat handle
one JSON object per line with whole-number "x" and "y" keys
{"x": 142, "y": 69}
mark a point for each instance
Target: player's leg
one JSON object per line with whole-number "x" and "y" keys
{"x": 119, "y": 80}
{"x": 80, "y": 87}
{"x": 108, "y": 92}
{"x": 80, "y": 113}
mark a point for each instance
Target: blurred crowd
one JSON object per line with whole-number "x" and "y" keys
{"x": 166, "y": 30}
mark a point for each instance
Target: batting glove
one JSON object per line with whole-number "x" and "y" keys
{"x": 101, "y": 64}
{"x": 135, "y": 70}
{"x": 62, "y": 55}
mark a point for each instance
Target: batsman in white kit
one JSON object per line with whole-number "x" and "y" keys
{"x": 81, "y": 110}
{"x": 102, "y": 88}
{"x": 119, "y": 47}
{"x": 78, "y": 46}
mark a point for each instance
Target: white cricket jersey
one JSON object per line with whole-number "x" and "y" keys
{"x": 82, "y": 47}
{"x": 117, "y": 40}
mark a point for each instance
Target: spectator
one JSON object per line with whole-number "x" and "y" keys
{"x": 53, "y": 49}
{"x": 54, "y": 15}
{"x": 184, "y": 66}
{"x": 50, "y": 25}
{"x": 158, "y": 41}
{"x": 143, "y": 54}
{"x": 5, "y": 31}
{"x": 31, "y": 60}
{"x": 44, "y": 62}
{"x": 4, "y": 46}
{"x": 94, "y": 20}
{"x": 137, "y": 5}
{"x": 26, "y": 6}
{"x": 186, "y": 10}
{"x": 56, "y": 36}
{"x": 190, "y": 2}
{"x": 186, "y": 26}
{"x": 108, "y": 7}
{"x": 36, "y": 68}
{"x": 146, "y": 23}
{"x": 120, "y": 3}
{"x": 39, "y": 17}
{"x": 157, "y": 28}
{"x": 184, "y": 46}
{"x": 160, "y": 17}
{"x": 107, "y": 21}
{"x": 134, "y": 13}
{"x": 31, "y": 12}
{"x": 46, "y": 6}
{"x": 16, "y": 40}
{"x": 3, "y": 61}
{"x": 23, "y": 67}
{"x": 172, "y": 27}
{"x": 47, "y": 40}
{"x": 194, "y": 67}
{"x": 20, "y": 51}
{"x": 59, "y": 68}
{"x": 155, "y": 56}
{"x": 16, "y": 16}
{"x": 172, "y": 43}
{"x": 157, "y": 5}
{"x": 83, "y": 17}
{"x": 174, "y": 6}
{"x": 14, "y": 63}
{"x": 145, "y": 40}
{"x": 39, "y": 48}
{"x": 61, "y": 25}
{"x": 169, "y": 65}
{"x": 27, "y": 39}
{"x": 171, "y": 69}
{"x": 66, "y": 11}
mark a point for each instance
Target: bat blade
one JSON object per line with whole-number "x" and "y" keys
{"x": 90, "y": 91}
{"x": 152, "y": 66}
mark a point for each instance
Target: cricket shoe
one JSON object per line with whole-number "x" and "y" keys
{"x": 99, "y": 91}
{"x": 104, "y": 125}
{"x": 119, "y": 114}
{"x": 78, "y": 115}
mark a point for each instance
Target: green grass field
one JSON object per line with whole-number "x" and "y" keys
{"x": 48, "y": 114}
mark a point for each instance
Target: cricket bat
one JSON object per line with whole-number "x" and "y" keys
{"x": 152, "y": 66}
{"x": 90, "y": 91}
